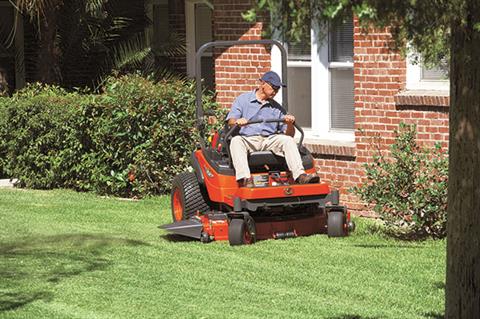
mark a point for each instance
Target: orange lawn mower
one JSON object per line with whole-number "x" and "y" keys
{"x": 208, "y": 204}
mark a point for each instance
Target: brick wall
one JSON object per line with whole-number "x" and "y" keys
{"x": 380, "y": 105}
{"x": 238, "y": 68}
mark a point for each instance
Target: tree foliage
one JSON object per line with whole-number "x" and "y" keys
{"x": 80, "y": 42}
{"x": 425, "y": 24}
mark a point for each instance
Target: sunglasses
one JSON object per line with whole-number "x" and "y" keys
{"x": 274, "y": 87}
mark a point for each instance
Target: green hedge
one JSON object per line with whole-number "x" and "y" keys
{"x": 41, "y": 136}
{"x": 128, "y": 141}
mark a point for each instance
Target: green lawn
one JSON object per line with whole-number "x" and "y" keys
{"x": 72, "y": 255}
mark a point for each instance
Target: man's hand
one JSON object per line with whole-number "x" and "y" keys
{"x": 289, "y": 119}
{"x": 240, "y": 122}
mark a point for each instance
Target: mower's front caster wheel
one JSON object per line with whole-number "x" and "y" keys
{"x": 240, "y": 232}
{"x": 205, "y": 238}
{"x": 335, "y": 224}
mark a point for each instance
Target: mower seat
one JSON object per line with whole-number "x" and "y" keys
{"x": 268, "y": 158}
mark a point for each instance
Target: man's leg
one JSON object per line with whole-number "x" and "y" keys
{"x": 285, "y": 146}
{"x": 239, "y": 148}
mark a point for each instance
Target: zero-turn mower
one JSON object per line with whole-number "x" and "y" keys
{"x": 208, "y": 204}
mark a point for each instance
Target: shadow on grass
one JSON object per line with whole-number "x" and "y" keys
{"x": 14, "y": 300}
{"x": 177, "y": 238}
{"x": 387, "y": 246}
{"x": 350, "y": 316}
{"x": 434, "y": 315}
{"x": 439, "y": 285}
{"x": 29, "y": 266}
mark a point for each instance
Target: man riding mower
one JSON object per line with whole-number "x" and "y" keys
{"x": 277, "y": 195}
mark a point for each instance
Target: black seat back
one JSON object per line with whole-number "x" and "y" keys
{"x": 262, "y": 158}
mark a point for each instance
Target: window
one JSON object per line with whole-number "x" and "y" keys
{"x": 7, "y": 43}
{"x": 203, "y": 34}
{"x": 340, "y": 58}
{"x": 420, "y": 77}
{"x": 160, "y": 23}
{"x": 198, "y": 20}
{"x": 320, "y": 82}
{"x": 299, "y": 81}
{"x": 434, "y": 74}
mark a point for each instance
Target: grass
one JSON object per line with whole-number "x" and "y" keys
{"x": 70, "y": 255}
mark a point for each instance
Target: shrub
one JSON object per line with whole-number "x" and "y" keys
{"x": 41, "y": 136}
{"x": 143, "y": 134}
{"x": 128, "y": 141}
{"x": 408, "y": 190}
{"x": 3, "y": 155}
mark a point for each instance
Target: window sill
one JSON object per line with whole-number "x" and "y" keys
{"x": 423, "y": 98}
{"x": 330, "y": 147}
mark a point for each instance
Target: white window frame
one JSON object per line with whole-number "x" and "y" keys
{"x": 415, "y": 81}
{"x": 320, "y": 129}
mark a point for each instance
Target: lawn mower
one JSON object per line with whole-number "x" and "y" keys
{"x": 208, "y": 204}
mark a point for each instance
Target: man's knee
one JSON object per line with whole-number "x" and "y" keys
{"x": 237, "y": 144}
{"x": 285, "y": 140}
{"x": 236, "y": 140}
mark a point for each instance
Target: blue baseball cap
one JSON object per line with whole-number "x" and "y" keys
{"x": 272, "y": 78}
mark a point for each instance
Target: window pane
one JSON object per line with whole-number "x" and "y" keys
{"x": 203, "y": 34}
{"x": 436, "y": 73}
{"x": 203, "y": 25}
{"x": 160, "y": 24}
{"x": 6, "y": 27}
{"x": 342, "y": 112}
{"x": 299, "y": 95}
{"x": 300, "y": 51}
{"x": 341, "y": 42}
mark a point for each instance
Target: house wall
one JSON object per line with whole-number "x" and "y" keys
{"x": 381, "y": 101}
{"x": 237, "y": 69}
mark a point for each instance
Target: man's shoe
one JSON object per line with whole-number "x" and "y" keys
{"x": 246, "y": 182}
{"x": 307, "y": 179}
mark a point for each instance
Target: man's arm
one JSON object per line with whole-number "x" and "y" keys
{"x": 240, "y": 122}
{"x": 235, "y": 116}
{"x": 290, "y": 120}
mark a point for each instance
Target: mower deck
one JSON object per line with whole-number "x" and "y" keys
{"x": 267, "y": 217}
{"x": 215, "y": 226}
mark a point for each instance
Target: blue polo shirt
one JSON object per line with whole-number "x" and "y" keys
{"x": 247, "y": 106}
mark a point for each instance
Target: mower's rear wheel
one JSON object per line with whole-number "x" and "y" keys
{"x": 187, "y": 197}
{"x": 239, "y": 232}
{"x": 335, "y": 224}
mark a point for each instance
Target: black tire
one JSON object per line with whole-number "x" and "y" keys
{"x": 187, "y": 197}
{"x": 239, "y": 233}
{"x": 335, "y": 224}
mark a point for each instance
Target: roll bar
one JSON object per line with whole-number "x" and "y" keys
{"x": 198, "y": 73}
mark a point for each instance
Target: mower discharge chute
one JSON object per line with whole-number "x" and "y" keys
{"x": 208, "y": 204}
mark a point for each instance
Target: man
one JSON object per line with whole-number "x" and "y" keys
{"x": 275, "y": 137}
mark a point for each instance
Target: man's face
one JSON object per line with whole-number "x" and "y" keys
{"x": 270, "y": 90}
